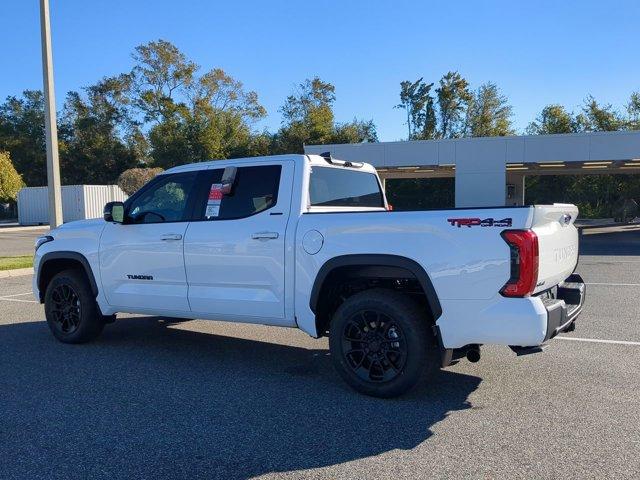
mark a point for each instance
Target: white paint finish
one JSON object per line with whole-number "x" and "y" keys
{"x": 496, "y": 321}
{"x": 139, "y": 249}
{"x": 238, "y": 278}
{"x": 312, "y": 242}
{"x": 234, "y": 275}
{"x": 463, "y": 263}
{"x": 82, "y": 237}
{"x": 597, "y": 340}
{"x": 557, "y": 243}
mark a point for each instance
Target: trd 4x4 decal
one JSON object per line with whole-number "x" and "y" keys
{"x": 475, "y": 222}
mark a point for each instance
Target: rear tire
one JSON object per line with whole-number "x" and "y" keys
{"x": 380, "y": 343}
{"x": 71, "y": 308}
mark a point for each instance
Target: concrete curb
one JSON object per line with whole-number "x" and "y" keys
{"x": 17, "y": 272}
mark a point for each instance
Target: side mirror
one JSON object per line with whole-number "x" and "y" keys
{"x": 114, "y": 212}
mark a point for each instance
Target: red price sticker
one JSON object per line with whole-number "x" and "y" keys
{"x": 216, "y": 192}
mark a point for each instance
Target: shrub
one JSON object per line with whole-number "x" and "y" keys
{"x": 131, "y": 180}
{"x": 10, "y": 180}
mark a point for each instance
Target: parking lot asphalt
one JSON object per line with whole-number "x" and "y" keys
{"x": 199, "y": 399}
{"x": 19, "y": 241}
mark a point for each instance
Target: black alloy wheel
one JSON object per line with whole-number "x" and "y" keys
{"x": 66, "y": 309}
{"x": 374, "y": 346}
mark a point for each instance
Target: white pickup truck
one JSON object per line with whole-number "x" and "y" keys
{"x": 310, "y": 242}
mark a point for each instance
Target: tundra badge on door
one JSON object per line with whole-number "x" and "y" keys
{"x": 140, "y": 277}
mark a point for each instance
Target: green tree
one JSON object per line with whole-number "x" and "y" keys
{"x": 418, "y": 103}
{"x": 10, "y": 180}
{"x": 307, "y": 116}
{"x": 130, "y": 181}
{"x": 22, "y": 134}
{"x": 191, "y": 117}
{"x": 356, "y": 131}
{"x": 633, "y": 111}
{"x": 453, "y": 96}
{"x": 600, "y": 118}
{"x": 553, "y": 119}
{"x": 162, "y": 74}
{"x": 93, "y": 150}
{"x": 489, "y": 113}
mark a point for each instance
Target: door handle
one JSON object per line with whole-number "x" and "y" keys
{"x": 264, "y": 235}
{"x": 171, "y": 236}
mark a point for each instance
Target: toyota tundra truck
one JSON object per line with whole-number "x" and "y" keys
{"x": 310, "y": 242}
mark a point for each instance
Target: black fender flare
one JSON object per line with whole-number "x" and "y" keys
{"x": 377, "y": 260}
{"x": 68, "y": 255}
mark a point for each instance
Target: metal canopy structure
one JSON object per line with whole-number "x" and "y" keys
{"x": 484, "y": 167}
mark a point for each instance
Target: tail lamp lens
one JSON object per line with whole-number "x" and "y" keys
{"x": 524, "y": 263}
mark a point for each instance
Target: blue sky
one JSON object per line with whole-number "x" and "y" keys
{"x": 538, "y": 52}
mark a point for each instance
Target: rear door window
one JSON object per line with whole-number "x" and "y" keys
{"x": 337, "y": 187}
{"x": 254, "y": 190}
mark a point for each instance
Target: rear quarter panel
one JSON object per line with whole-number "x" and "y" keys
{"x": 465, "y": 264}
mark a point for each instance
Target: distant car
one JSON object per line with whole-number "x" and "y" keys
{"x": 310, "y": 242}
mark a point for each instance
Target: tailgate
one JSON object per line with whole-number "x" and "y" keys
{"x": 557, "y": 243}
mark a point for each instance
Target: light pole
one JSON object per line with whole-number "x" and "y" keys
{"x": 51, "y": 129}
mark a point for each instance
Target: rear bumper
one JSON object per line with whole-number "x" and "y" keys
{"x": 563, "y": 310}
{"x": 520, "y": 323}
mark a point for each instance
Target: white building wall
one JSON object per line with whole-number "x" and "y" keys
{"x": 480, "y": 173}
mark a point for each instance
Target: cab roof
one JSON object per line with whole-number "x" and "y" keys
{"x": 313, "y": 160}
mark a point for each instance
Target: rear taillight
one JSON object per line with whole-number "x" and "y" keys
{"x": 524, "y": 263}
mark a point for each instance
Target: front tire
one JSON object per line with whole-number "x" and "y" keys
{"x": 71, "y": 309}
{"x": 380, "y": 343}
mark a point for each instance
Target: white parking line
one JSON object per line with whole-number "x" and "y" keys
{"x": 597, "y": 340}
{"x": 10, "y": 298}
{"x": 605, "y": 262}
{"x": 4, "y": 299}
{"x": 615, "y": 284}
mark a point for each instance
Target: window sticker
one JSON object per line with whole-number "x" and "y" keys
{"x": 214, "y": 201}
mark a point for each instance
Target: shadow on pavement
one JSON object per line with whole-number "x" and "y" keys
{"x": 147, "y": 400}
{"x": 622, "y": 241}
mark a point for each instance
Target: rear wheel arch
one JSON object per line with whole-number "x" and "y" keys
{"x": 368, "y": 267}
{"x": 53, "y": 263}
